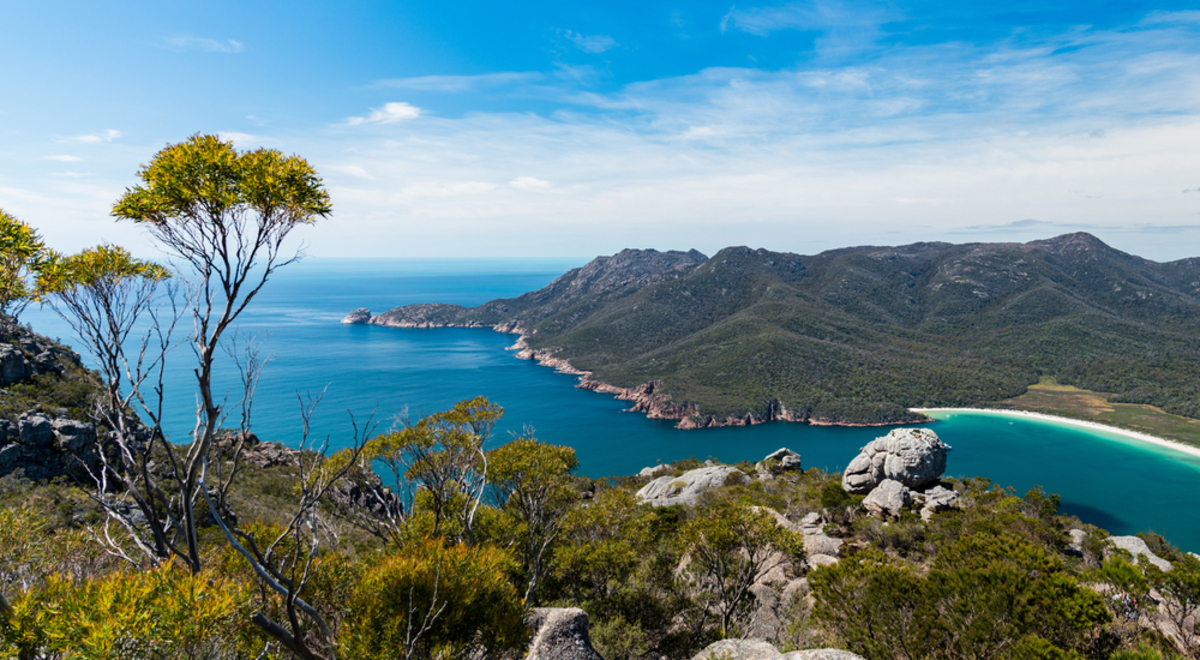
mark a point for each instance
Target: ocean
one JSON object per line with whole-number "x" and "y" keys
{"x": 375, "y": 376}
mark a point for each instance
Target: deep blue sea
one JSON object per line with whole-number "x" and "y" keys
{"x": 381, "y": 373}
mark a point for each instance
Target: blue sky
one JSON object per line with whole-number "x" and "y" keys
{"x": 575, "y": 129}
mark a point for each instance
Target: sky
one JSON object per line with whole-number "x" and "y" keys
{"x": 574, "y": 129}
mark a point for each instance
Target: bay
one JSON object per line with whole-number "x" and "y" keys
{"x": 381, "y": 374}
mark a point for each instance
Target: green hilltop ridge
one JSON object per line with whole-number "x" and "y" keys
{"x": 857, "y": 335}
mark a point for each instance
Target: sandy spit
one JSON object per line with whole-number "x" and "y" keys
{"x": 1134, "y": 435}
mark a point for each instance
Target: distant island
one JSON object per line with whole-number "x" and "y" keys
{"x": 858, "y": 335}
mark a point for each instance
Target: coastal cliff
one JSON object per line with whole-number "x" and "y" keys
{"x": 858, "y": 335}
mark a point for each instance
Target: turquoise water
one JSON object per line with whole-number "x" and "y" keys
{"x": 376, "y": 372}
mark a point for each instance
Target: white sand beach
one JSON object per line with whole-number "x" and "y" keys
{"x": 1134, "y": 435}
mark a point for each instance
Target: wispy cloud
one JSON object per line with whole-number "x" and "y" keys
{"x": 204, "y": 44}
{"x": 594, "y": 44}
{"x": 462, "y": 83}
{"x": 390, "y": 113}
{"x": 242, "y": 139}
{"x": 93, "y": 138}
{"x": 845, "y": 26}
{"x": 63, "y": 158}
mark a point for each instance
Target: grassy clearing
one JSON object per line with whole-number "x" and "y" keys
{"x": 1050, "y": 397}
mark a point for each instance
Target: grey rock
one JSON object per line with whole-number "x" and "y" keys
{"x": 888, "y": 498}
{"x": 1075, "y": 547}
{"x": 913, "y": 457}
{"x": 812, "y": 523}
{"x": 756, "y": 649}
{"x": 13, "y": 365}
{"x": 822, "y": 654}
{"x": 560, "y": 633}
{"x": 739, "y": 649}
{"x": 939, "y": 498}
{"x": 815, "y": 561}
{"x": 1138, "y": 548}
{"x": 10, "y": 455}
{"x": 788, "y": 459}
{"x": 821, "y": 544}
{"x": 73, "y": 436}
{"x": 34, "y": 430}
{"x": 360, "y": 315}
{"x": 656, "y": 471}
{"x": 8, "y": 431}
{"x": 686, "y": 488}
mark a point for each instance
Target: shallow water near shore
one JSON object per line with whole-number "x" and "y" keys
{"x": 1115, "y": 483}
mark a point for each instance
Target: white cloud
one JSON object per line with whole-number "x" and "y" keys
{"x": 94, "y": 138}
{"x": 529, "y": 183}
{"x": 390, "y": 113}
{"x": 72, "y": 175}
{"x": 595, "y": 44}
{"x": 205, "y": 44}
{"x": 63, "y": 158}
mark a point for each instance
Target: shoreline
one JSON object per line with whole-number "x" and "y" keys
{"x": 1174, "y": 445}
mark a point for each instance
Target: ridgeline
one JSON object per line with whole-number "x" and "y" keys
{"x": 856, "y": 335}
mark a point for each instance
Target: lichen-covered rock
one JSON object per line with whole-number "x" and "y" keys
{"x": 888, "y": 498}
{"x": 560, "y": 633}
{"x": 687, "y": 487}
{"x": 913, "y": 457}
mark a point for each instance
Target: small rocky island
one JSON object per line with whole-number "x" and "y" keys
{"x": 856, "y": 336}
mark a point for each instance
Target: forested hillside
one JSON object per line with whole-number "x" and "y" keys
{"x": 859, "y": 335}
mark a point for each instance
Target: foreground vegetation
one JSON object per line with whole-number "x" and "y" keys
{"x": 452, "y": 575}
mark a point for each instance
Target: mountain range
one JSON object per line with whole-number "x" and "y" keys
{"x": 856, "y": 335}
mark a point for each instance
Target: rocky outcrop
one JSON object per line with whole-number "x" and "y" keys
{"x": 39, "y": 447}
{"x": 1140, "y": 551}
{"x": 560, "y": 633}
{"x": 656, "y": 471}
{"x": 888, "y": 499}
{"x": 24, "y": 353}
{"x": 913, "y": 457}
{"x": 358, "y": 316}
{"x": 687, "y": 487}
{"x": 756, "y": 649}
{"x": 778, "y": 462}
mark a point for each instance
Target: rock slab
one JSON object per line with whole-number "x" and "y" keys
{"x": 913, "y": 457}
{"x": 687, "y": 487}
{"x": 755, "y": 649}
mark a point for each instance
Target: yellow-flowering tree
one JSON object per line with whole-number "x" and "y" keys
{"x": 22, "y": 255}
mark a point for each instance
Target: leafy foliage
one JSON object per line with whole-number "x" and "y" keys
{"x": 433, "y": 601}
